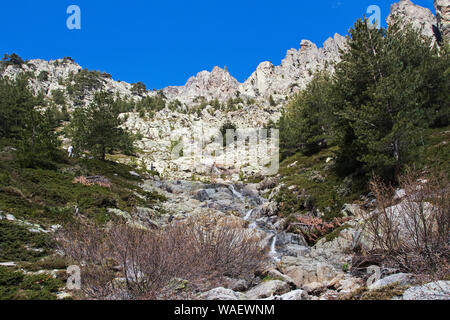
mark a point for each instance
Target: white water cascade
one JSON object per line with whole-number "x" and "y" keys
{"x": 248, "y": 215}
{"x": 237, "y": 194}
{"x": 273, "y": 249}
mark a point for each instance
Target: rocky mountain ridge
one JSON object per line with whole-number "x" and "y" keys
{"x": 251, "y": 104}
{"x": 292, "y": 75}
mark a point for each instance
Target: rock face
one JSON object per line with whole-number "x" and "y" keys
{"x": 53, "y": 75}
{"x": 439, "y": 290}
{"x": 295, "y": 71}
{"x": 443, "y": 17}
{"x": 421, "y": 18}
{"x": 211, "y": 85}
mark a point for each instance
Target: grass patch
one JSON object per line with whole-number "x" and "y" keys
{"x": 316, "y": 185}
{"x": 50, "y": 196}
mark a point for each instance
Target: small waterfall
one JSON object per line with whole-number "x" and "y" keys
{"x": 248, "y": 215}
{"x": 273, "y": 249}
{"x": 237, "y": 194}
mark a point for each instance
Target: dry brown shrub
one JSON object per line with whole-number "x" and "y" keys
{"x": 313, "y": 228}
{"x": 95, "y": 180}
{"x": 412, "y": 235}
{"x": 200, "y": 250}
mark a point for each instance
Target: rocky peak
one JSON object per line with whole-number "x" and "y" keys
{"x": 215, "y": 84}
{"x": 295, "y": 71}
{"x": 443, "y": 17}
{"x": 420, "y": 18}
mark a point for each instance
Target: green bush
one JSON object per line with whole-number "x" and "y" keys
{"x": 15, "y": 285}
{"x": 16, "y": 243}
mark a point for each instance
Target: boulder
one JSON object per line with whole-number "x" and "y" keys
{"x": 269, "y": 209}
{"x": 220, "y": 294}
{"x": 267, "y": 289}
{"x": 314, "y": 288}
{"x": 202, "y": 195}
{"x": 275, "y": 274}
{"x": 439, "y": 290}
{"x": 294, "y": 295}
{"x": 350, "y": 285}
{"x": 305, "y": 270}
{"x": 400, "y": 278}
{"x": 236, "y": 284}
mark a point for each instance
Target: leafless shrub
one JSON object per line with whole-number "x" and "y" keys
{"x": 313, "y": 228}
{"x": 123, "y": 261}
{"x": 94, "y": 180}
{"x": 413, "y": 234}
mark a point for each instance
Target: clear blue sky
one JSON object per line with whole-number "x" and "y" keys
{"x": 163, "y": 43}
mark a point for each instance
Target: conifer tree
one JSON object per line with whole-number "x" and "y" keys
{"x": 97, "y": 128}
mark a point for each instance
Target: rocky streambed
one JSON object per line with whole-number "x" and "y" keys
{"x": 297, "y": 271}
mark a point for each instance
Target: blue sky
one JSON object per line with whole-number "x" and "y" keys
{"x": 163, "y": 43}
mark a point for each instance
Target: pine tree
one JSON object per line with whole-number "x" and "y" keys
{"x": 305, "y": 124}
{"x": 15, "y": 101}
{"x": 385, "y": 93}
{"x": 97, "y": 128}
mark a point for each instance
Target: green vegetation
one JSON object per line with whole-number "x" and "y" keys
{"x": 43, "y": 76}
{"x": 79, "y": 84}
{"x": 389, "y": 88}
{"x": 12, "y": 60}
{"x": 17, "y": 243}
{"x": 311, "y": 184}
{"x": 97, "y": 128}
{"x": 16, "y": 285}
{"x": 58, "y": 97}
{"x": 150, "y": 105}
{"x": 138, "y": 88}
{"x": 305, "y": 124}
{"x": 50, "y": 196}
{"x": 31, "y": 131}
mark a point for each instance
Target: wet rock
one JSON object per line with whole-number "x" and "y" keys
{"x": 294, "y": 250}
{"x": 285, "y": 238}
